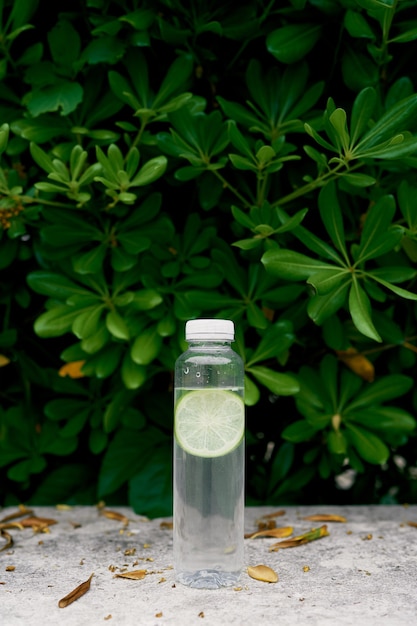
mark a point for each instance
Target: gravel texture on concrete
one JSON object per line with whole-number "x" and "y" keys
{"x": 362, "y": 573}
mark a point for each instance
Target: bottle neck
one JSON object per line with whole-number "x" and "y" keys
{"x": 208, "y": 344}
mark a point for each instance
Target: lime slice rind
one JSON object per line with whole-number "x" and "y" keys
{"x": 209, "y": 423}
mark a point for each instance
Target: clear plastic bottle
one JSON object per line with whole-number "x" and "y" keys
{"x": 209, "y": 476}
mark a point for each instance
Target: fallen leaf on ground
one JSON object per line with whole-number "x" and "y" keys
{"x": 323, "y": 517}
{"x": 8, "y": 538}
{"x": 311, "y": 535}
{"x": 36, "y": 523}
{"x": 284, "y": 531}
{"x": 75, "y": 593}
{"x": 115, "y": 515}
{"x": 413, "y": 524}
{"x": 136, "y": 574}
{"x": 263, "y": 573}
{"x": 271, "y": 515}
{"x": 22, "y": 511}
{"x": 166, "y": 525}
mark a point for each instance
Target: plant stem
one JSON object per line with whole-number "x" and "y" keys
{"x": 227, "y": 185}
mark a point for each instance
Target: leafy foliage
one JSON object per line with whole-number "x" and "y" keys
{"x": 161, "y": 162}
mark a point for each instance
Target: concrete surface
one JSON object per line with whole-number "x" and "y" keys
{"x": 363, "y": 573}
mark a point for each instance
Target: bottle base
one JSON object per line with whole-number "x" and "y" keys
{"x": 208, "y": 579}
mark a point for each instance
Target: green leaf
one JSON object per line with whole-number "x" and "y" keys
{"x": 133, "y": 375}
{"x": 56, "y": 321}
{"x": 106, "y": 50}
{"x": 151, "y": 171}
{"x": 150, "y": 490}
{"x": 279, "y": 384}
{"x": 395, "y": 120}
{"x": 362, "y": 111}
{"x": 408, "y": 206}
{"x": 331, "y": 215}
{"x": 357, "y": 26}
{"x": 275, "y": 342}
{"x": 386, "y": 388}
{"x": 95, "y": 342}
{"x": 146, "y": 299}
{"x": 299, "y": 431}
{"x": 64, "y": 43}
{"x": 90, "y": 262}
{"x": 64, "y": 95}
{"x": 133, "y": 241}
{"x": 146, "y": 346}
{"x": 329, "y": 281}
{"x": 403, "y": 293}
{"x": 117, "y": 326}
{"x": 87, "y": 323}
{"x": 338, "y": 121}
{"x": 370, "y": 447}
{"x": 292, "y": 42}
{"x": 384, "y": 418}
{"x": 358, "y": 70}
{"x": 292, "y": 265}
{"x": 336, "y": 442}
{"x": 252, "y": 393}
{"x": 322, "y": 307}
{"x": 360, "y": 310}
{"x": 127, "y": 454}
{"x": 178, "y": 73}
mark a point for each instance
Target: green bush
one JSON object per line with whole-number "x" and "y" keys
{"x": 165, "y": 160}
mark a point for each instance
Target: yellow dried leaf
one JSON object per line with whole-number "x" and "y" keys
{"x": 323, "y": 517}
{"x": 76, "y": 593}
{"x": 10, "y": 568}
{"x": 358, "y": 363}
{"x": 166, "y": 525}
{"x": 37, "y": 523}
{"x": 72, "y": 369}
{"x": 160, "y": 614}
{"x": 115, "y": 515}
{"x": 137, "y": 574}
{"x": 284, "y": 531}
{"x": 8, "y": 538}
{"x": 266, "y": 524}
{"x": 272, "y": 515}
{"x": 413, "y": 524}
{"x": 263, "y": 573}
{"x": 311, "y": 535}
{"x": 4, "y": 360}
{"x": 22, "y": 511}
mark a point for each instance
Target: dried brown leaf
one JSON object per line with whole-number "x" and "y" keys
{"x": 325, "y": 517}
{"x": 22, "y": 511}
{"x": 358, "y": 363}
{"x": 311, "y": 535}
{"x": 271, "y": 515}
{"x": 75, "y": 593}
{"x": 263, "y": 573}
{"x": 284, "y": 531}
{"x": 119, "y": 517}
{"x": 36, "y": 523}
{"x": 166, "y": 525}
{"x": 10, "y": 568}
{"x": 9, "y": 540}
{"x": 413, "y": 524}
{"x": 266, "y": 524}
{"x": 137, "y": 574}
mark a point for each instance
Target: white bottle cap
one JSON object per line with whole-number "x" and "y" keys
{"x": 210, "y": 330}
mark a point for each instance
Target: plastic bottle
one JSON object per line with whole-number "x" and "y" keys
{"x": 209, "y": 483}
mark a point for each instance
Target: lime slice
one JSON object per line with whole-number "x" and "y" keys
{"x": 209, "y": 422}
